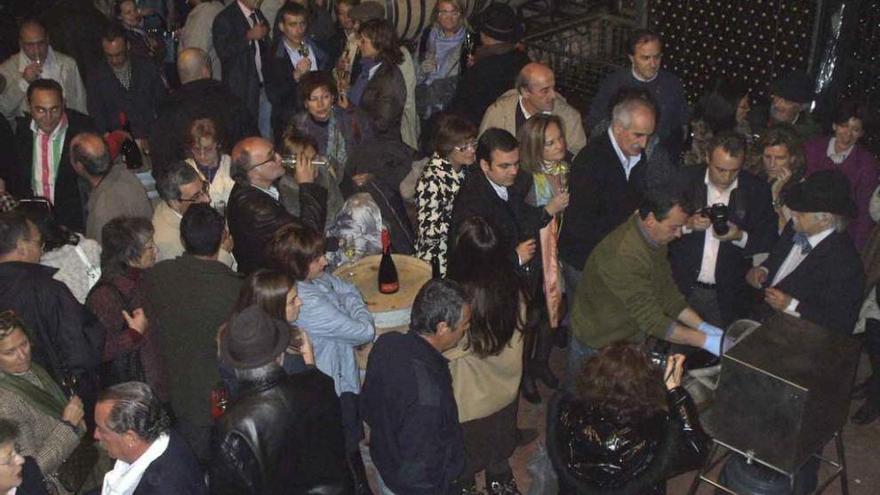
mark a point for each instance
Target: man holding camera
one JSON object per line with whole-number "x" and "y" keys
{"x": 734, "y": 220}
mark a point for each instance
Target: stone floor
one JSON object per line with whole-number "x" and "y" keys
{"x": 862, "y": 445}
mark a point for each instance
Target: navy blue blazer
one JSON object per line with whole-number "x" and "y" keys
{"x": 751, "y": 209}
{"x": 31, "y": 479}
{"x": 828, "y": 283}
{"x": 175, "y": 472}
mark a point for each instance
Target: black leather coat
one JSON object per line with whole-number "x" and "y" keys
{"x": 283, "y": 435}
{"x": 594, "y": 451}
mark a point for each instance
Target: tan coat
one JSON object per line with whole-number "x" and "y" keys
{"x": 166, "y": 224}
{"x": 46, "y": 439}
{"x": 502, "y": 114}
{"x": 485, "y": 385}
{"x": 13, "y": 101}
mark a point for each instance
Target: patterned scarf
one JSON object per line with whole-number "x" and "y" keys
{"x": 336, "y": 142}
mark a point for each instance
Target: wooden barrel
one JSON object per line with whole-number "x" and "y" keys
{"x": 410, "y": 17}
{"x": 390, "y": 311}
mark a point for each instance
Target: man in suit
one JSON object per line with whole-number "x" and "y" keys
{"x": 255, "y": 209}
{"x": 709, "y": 268}
{"x": 133, "y": 426}
{"x": 123, "y": 84}
{"x": 497, "y": 192}
{"x": 294, "y": 56}
{"x": 241, "y": 38}
{"x": 605, "y": 184}
{"x": 43, "y": 143}
{"x": 814, "y": 272}
{"x": 535, "y": 92}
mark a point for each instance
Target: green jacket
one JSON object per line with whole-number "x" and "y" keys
{"x": 627, "y": 290}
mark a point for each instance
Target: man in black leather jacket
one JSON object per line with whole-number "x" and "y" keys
{"x": 255, "y": 210}
{"x": 283, "y": 435}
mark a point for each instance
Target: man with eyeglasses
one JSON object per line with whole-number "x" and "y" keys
{"x": 180, "y": 187}
{"x": 42, "y": 142}
{"x": 37, "y": 60}
{"x": 68, "y": 341}
{"x": 255, "y": 209}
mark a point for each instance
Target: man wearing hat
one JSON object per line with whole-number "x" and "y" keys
{"x": 493, "y": 68}
{"x": 283, "y": 433}
{"x": 790, "y": 98}
{"x": 814, "y": 272}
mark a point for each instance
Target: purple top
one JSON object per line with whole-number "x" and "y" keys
{"x": 862, "y": 170}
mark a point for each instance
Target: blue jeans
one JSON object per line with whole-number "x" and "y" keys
{"x": 578, "y": 353}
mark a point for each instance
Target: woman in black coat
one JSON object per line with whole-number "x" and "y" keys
{"x": 622, "y": 433}
{"x": 384, "y": 95}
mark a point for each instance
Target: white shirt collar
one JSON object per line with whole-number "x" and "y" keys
{"x": 627, "y": 162}
{"x": 125, "y": 477}
{"x": 639, "y": 78}
{"x": 501, "y": 191}
{"x": 61, "y": 127}
{"x": 247, "y": 11}
{"x": 836, "y": 157}
{"x": 815, "y": 239}
{"x": 724, "y": 192}
{"x": 373, "y": 70}
{"x": 522, "y": 108}
{"x": 271, "y": 191}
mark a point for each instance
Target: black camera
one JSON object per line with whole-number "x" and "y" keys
{"x": 718, "y": 214}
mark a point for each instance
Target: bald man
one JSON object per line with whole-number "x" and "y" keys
{"x": 198, "y": 96}
{"x": 535, "y": 92}
{"x": 37, "y": 60}
{"x": 116, "y": 191}
{"x": 196, "y": 33}
{"x": 255, "y": 209}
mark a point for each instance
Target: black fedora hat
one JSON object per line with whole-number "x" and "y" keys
{"x": 794, "y": 86}
{"x": 253, "y": 339}
{"x": 500, "y": 22}
{"x": 825, "y": 191}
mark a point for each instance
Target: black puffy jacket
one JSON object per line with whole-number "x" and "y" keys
{"x": 595, "y": 452}
{"x": 282, "y": 435}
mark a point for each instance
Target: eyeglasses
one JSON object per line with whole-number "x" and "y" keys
{"x": 470, "y": 145}
{"x": 12, "y": 457}
{"x": 448, "y": 13}
{"x": 272, "y": 157}
{"x": 199, "y": 195}
{"x": 203, "y": 150}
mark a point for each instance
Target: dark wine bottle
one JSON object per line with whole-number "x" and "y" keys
{"x": 388, "y": 281}
{"x": 130, "y": 151}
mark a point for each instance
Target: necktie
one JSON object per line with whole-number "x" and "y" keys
{"x": 258, "y": 46}
{"x": 800, "y": 239}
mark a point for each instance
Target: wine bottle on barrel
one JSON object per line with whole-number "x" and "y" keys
{"x": 388, "y": 281}
{"x": 130, "y": 151}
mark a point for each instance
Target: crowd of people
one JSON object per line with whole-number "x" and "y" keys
{"x": 180, "y": 310}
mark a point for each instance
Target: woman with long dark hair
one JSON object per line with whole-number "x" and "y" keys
{"x": 486, "y": 365}
{"x": 623, "y": 432}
